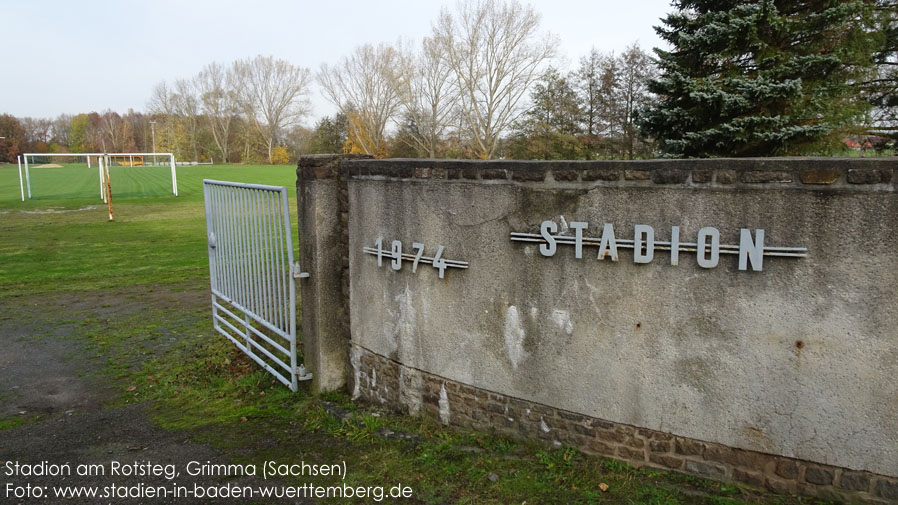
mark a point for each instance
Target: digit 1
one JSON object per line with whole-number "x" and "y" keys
{"x": 418, "y": 246}
{"x": 397, "y": 255}
{"x": 380, "y": 251}
{"x": 438, "y": 261}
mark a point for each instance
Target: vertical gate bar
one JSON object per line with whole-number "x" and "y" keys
{"x": 266, "y": 256}
{"x": 279, "y": 272}
{"x": 227, "y": 288}
{"x": 238, "y": 247}
{"x": 246, "y": 299}
{"x": 279, "y": 264}
{"x": 257, "y": 266}
{"x": 211, "y": 194}
{"x": 232, "y": 242}
{"x": 247, "y": 270}
{"x": 257, "y": 271}
{"x": 222, "y": 247}
{"x": 226, "y": 241}
{"x": 234, "y": 245}
{"x": 286, "y": 212}
{"x": 261, "y": 219}
{"x": 287, "y": 265}
{"x": 208, "y": 191}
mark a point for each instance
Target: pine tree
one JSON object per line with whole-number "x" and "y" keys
{"x": 759, "y": 78}
{"x": 549, "y": 128}
{"x": 882, "y": 88}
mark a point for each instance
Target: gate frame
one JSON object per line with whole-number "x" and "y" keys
{"x": 297, "y": 372}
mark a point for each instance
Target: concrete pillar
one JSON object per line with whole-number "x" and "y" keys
{"x": 323, "y": 253}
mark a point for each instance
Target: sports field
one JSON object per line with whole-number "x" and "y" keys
{"x": 109, "y": 350}
{"x": 69, "y": 244}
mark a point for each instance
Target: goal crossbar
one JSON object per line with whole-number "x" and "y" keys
{"x": 171, "y": 157}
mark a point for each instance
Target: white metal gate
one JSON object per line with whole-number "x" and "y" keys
{"x": 252, "y": 273}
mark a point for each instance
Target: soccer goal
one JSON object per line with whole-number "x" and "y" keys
{"x": 80, "y": 175}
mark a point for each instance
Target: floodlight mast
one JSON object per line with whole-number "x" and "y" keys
{"x": 153, "y": 128}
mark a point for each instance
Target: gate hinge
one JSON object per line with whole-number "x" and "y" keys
{"x": 298, "y": 273}
{"x": 303, "y": 374}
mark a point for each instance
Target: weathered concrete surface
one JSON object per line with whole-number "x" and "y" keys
{"x": 797, "y": 360}
{"x": 322, "y": 250}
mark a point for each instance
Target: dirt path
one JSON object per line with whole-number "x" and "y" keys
{"x": 50, "y": 372}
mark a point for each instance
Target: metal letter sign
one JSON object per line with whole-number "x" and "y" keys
{"x": 396, "y": 256}
{"x": 252, "y": 273}
{"x": 707, "y": 247}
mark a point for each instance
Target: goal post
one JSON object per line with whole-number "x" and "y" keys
{"x": 70, "y": 175}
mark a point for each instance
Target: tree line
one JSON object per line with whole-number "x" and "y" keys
{"x": 755, "y": 78}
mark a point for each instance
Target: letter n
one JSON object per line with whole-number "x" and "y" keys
{"x": 751, "y": 250}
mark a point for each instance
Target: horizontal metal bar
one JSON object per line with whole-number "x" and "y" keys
{"x": 272, "y": 342}
{"x": 229, "y": 325}
{"x": 263, "y": 187}
{"x": 255, "y": 330}
{"x": 271, "y": 356}
{"x": 659, "y": 244}
{"x": 250, "y": 313}
{"x": 411, "y": 257}
{"x": 260, "y": 361}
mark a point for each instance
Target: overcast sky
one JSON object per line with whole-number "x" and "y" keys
{"x": 90, "y": 55}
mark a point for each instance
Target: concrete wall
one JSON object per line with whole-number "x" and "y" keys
{"x": 798, "y": 360}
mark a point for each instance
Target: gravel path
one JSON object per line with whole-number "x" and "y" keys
{"x": 47, "y": 370}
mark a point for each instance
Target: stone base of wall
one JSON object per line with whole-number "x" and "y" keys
{"x": 383, "y": 381}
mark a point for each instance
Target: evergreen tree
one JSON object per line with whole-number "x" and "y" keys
{"x": 882, "y": 88}
{"x": 329, "y": 135}
{"x": 550, "y": 126}
{"x": 759, "y": 78}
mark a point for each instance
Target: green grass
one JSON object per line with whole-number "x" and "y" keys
{"x": 165, "y": 352}
{"x": 70, "y": 244}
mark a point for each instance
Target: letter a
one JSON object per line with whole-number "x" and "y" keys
{"x": 608, "y": 244}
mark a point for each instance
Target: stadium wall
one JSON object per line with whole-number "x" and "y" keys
{"x": 775, "y": 371}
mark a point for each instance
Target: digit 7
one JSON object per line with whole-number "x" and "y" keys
{"x": 418, "y": 246}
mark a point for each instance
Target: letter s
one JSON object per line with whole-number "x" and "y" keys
{"x": 548, "y": 249}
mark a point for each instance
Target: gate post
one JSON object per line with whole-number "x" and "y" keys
{"x": 324, "y": 253}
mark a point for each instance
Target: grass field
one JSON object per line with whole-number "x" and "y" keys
{"x": 132, "y": 291}
{"x": 69, "y": 244}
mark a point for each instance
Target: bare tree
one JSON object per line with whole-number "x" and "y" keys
{"x": 219, "y": 103}
{"x": 114, "y": 132}
{"x": 273, "y": 94}
{"x": 187, "y": 107}
{"x": 161, "y": 100}
{"x": 62, "y": 129}
{"x": 495, "y": 52}
{"x": 427, "y": 94}
{"x": 363, "y": 87}
{"x": 162, "y": 105}
{"x": 636, "y": 68}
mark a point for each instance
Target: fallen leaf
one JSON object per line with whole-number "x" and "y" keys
{"x": 131, "y": 388}
{"x": 243, "y": 419}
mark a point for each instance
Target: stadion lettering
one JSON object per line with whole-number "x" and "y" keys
{"x": 751, "y": 249}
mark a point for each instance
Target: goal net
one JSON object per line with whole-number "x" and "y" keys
{"x": 82, "y": 175}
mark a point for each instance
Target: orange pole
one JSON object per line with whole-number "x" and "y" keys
{"x": 108, "y": 190}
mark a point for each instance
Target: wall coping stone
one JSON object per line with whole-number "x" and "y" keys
{"x": 856, "y": 174}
